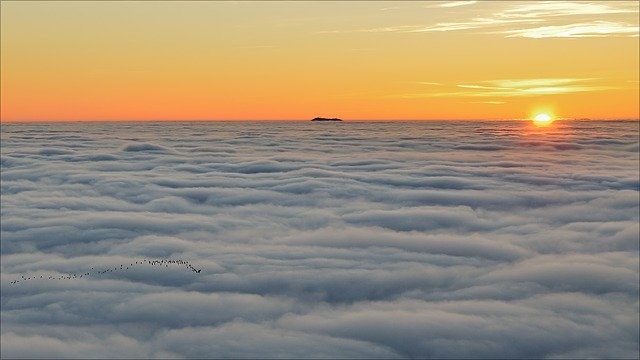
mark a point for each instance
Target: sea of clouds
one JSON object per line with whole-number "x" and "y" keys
{"x": 315, "y": 240}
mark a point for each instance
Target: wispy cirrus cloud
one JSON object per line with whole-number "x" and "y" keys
{"x": 579, "y": 30}
{"x": 390, "y": 8}
{"x": 475, "y": 23}
{"x": 456, "y": 4}
{"x": 480, "y": 87}
{"x": 552, "y": 11}
{"x": 533, "y": 87}
{"x": 489, "y": 102}
{"x": 519, "y": 87}
{"x": 546, "y": 9}
{"x": 554, "y": 19}
{"x": 526, "y": 83}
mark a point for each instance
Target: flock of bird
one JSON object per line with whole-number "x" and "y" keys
{"x": 123, "y": 267}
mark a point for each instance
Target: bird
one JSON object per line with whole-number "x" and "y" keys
{"x": 72, "y": 276}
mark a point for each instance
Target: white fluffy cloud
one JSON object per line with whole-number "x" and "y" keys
{"x": 350, "y": 240}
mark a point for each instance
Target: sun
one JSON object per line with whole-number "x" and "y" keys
{"x": 542, "y": 119}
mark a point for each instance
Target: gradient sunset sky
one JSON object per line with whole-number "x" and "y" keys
{"x": 216, "y": 60}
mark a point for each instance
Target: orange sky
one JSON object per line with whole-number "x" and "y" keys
{"x": 296, "y": 60}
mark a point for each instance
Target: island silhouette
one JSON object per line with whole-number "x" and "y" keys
{"x": 325, "y": 119}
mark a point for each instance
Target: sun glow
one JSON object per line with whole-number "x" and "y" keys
{"x": 542, "y": 119}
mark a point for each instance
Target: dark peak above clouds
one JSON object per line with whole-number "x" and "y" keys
{"x": 325, "y": 119}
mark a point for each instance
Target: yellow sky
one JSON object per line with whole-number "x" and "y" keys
{"x": 296, "y": 60}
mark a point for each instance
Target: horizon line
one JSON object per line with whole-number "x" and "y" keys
{"x": 300, "y": 120}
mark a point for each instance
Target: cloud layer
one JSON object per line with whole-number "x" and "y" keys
{"x": 350, "y": 240}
